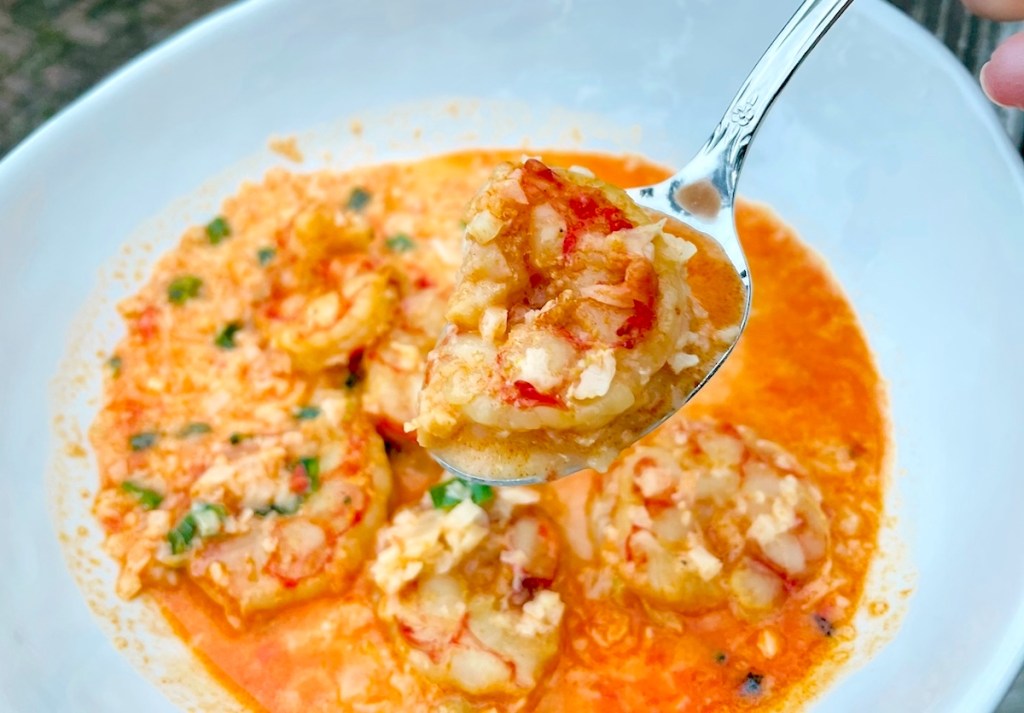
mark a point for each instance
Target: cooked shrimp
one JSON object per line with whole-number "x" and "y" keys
{"x": 331, "y": 299}
{"x": 700, "y": 514}
{"x": 296, "y": 521}
{"x": 466, "y": 580}
{"x": 571, "y": 328}
{"x": 395, "y": 367}
{"x": 258, "y": 520}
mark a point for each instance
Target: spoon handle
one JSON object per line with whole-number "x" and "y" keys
{"x": 721, "y": 158}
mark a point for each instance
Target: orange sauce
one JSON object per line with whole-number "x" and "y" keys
{"x": 802, "y": 376}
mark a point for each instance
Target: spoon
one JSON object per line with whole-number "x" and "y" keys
{"x": 702, "y": 195}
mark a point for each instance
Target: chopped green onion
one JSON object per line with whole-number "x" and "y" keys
{"x": 226, "y": 338}
{"x": 305, "y": 413}
{"x": 208, "y": 518}
{"x": 289, "y": 508}
{"x": 148, "y": 499}
{"x": 114, "y": 363}
{"x": 204, "y": 519}
{"x": 236, "y": 438}
{"x": 480, "y": 493}
{"x": 217, "y": 229}
{"x": 351, "y": 380}
{"x": 312, "y": 468}
{"x": 450, "y": 493}
{"x": 196, "y": 428}
{"x": 183, "y": 288}
{"x": 400, "y": 243}
{"x": 181, "y": 536}
{"x": 358, "y": 199}
{"x": 265, "y": 255}
{"x": 142, "y": 441}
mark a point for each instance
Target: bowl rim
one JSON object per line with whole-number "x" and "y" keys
{"x": 1007, "y": 657}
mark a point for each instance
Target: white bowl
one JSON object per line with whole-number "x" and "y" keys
{"x": 882, "y": 153}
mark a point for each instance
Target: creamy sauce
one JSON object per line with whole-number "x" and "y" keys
{"x": 802, "y": 376}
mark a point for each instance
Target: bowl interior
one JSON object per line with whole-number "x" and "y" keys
{"x": 881, "y": 153}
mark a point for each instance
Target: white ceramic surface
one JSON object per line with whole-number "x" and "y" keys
{"x": 882, "y": 153}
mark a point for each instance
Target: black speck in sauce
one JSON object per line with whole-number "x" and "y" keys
{"x": 824, "y": 625}
{"x": 751, "y": 685}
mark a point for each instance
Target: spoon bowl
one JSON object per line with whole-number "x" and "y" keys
{"x": 702, "y": 196}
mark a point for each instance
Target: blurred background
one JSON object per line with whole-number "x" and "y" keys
{"x": 51, "y": 51}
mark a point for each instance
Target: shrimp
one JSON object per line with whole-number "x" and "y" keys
{"x": 570, "y": 329}
{"x": 285, "y": 517}
{"x": 331, "y": 299}
{"x": 394, "y": 368}
{"x": 702, "y": 514}
{"x": 466, "y": 584}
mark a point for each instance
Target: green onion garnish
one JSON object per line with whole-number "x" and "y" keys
{"x": 289, "y": 508}
{"x": 181, "y": 536}
{"x": 114, "y": 363}
{"x": 358, "y": 199}
{"x": 148, "y": 499}
{"x": 236, "y": 438}
{"x": 226, "y": 338}
{"x": 305, "y": 413}
{"x": 196, "y": 428}
{"x": 142, "y": 441}
{"x": 217, "y": 229}
{"x": 204, "y": 519}
{"x": 183, "y": 288}
{"x": 400, "y": 243}
{"x": 481, "y": 493}
{"x": 450, "y": 493}
{"x": 312, "y": 468}
{"x": 265, "y": 255}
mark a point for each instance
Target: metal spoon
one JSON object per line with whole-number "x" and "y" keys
{"x": 703, "y": 194}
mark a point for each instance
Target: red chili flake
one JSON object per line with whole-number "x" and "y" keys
{"x": 592, "y": 212}
{"x": 147, "y": 322}
{"x": 300, "y": 480}
{"x": 527, "y": 395}
{"x": 583, "y": 206}
{"x": 572, "y": 237}
{"x": 423, "y": 282}
{"x": 585, "y": 209}
{"x": 617, "y": 220}
{"x": 532, "y": 584}
{"x": 637, "y": 324}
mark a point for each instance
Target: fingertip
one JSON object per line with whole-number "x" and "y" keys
{"x": 1002, "y": 77}
{"x": 983, "y": 79}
